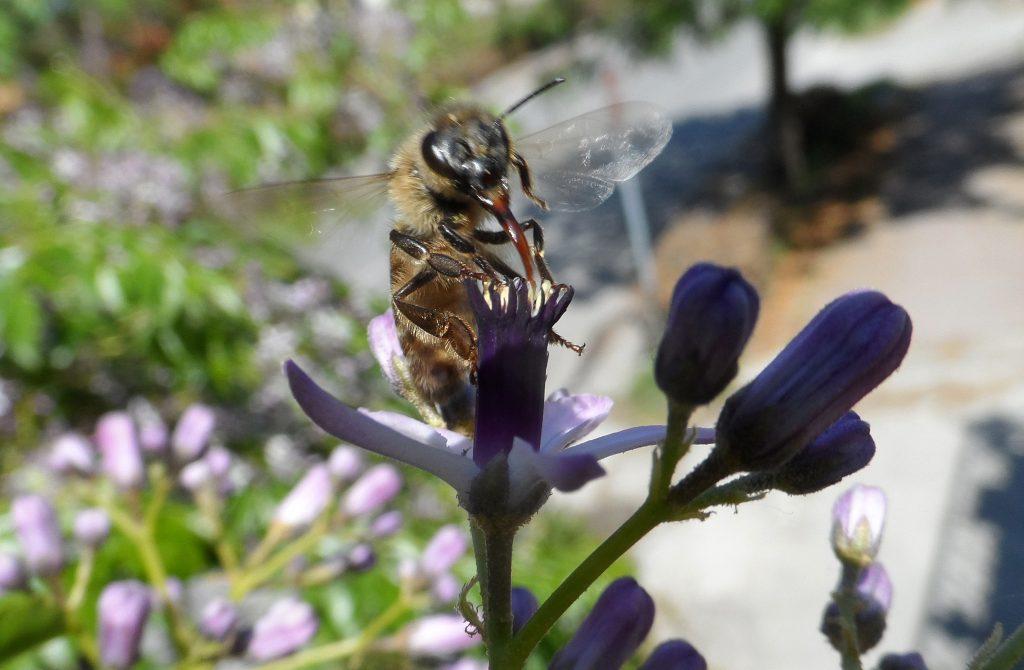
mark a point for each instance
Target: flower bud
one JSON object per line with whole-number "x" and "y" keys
{"x": 72, "y": 454}
{"x": 843, "y": 449}
{"x": 192, "y": 433}
{"x": 152, "y": 429}
{"x": 92, "y": 527}
{"x": 219, "y": 460}
{"x": 123, "y": 610}
{"x": 443, "y": 551}
{"x": 712, "y": 314}
{"x": 847, "y": 350}
{"x": 612, "y": 632}
{"x": 12, "y": 574}
{"x": 524, "y": 606}
{"x": 446, "y": 588}
{"x": 35, "y": 523}
{"x": 122, "y": 458}
{"x": 196, "y": 475}
{"x": 387, "y": 524}
{"x": 439, "y": 635}
{"x": 858, "y": 518}
{"x": 218, "y": 619}
{"x": 372, "y": 491}
{"x": 345, "y": 463}
{"x": 874, "y": 597}
{"x": 674, "y": 655}
{"x": 287, "y": 626}
{"x": 361, "y": 558}
{"x": 383, "y": 339}
{"x": 911, "y": 661}
{"x": 307, "y": 500}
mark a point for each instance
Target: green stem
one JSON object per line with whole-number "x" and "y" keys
{"x": 846, "y": 600}
{"x": 336, "y": 651}
{"x": 259, "y": 574}
{"x": 82, "y": 575}
{"x": 673, "y": 449}
{"x": 498, "y": 595}
{"x": 643, "y": 520}
{"x": 1009, "y": 654}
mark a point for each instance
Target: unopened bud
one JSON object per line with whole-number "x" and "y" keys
{"x": 92, "y": 527}
{"x": 122, "y": 457}
{"x": 35, "y": 523}
{"x": 218, "y": 619}
{"x": 307, "y": 500}
{"x": 286, "y": 627}
{"x": 192, "y": 433}
{"x": 377, "y": 487}
{"x": 858, "y": 518}
{"x": 123, "y": 610}
{"x": 72, "y": 454}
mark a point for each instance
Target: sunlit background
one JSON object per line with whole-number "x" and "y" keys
{"x": 819, "y": 146}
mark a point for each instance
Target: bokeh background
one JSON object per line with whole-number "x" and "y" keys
{"x": 820, "y": 146}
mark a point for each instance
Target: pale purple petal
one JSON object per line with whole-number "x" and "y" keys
{"x": 38, "y": 532}
{"x": 92, "y": 526}
{"x": 72, "y": 453}
{"x": 566, "y": 471}
{"x": 123, "y": 609}
{"x": 633, "y": 438}
{"x": 446, "y": 588}
{"x": 192, "y": 432}
{"x": 287, "y": 626}
{"x": 377, "y": 487}
{"x": 439, "y": 635}
{"x": 567, "y": 418}
{"x": 345, "y": 423}
{"x": 384, "y": 344}
{"x": 122, "y": 457}
{"x": 444, "y": 550}
{"x": 408, "y": 426}
{"x": 308, "y": 499}
{"x": 345, "y": 463}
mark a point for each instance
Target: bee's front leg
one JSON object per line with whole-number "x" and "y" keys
{"x": 519, "y": 163}
{"x": 440, "y": 263}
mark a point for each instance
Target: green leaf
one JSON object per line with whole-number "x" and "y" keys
{"x": 25, "y": 622}
{"x": 22, "y": 327}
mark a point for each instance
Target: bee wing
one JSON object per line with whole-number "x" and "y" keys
{"x": 575, "y": 164}
{"x": 301, "y": 211}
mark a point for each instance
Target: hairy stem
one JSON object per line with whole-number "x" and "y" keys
{"x": 1009, "y": 653}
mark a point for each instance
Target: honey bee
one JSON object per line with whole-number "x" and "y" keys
{"x": 449, "y": 184}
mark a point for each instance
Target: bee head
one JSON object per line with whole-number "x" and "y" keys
{"x": 468, "y": 147}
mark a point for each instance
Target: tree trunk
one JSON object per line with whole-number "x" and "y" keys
{"x": 786, "y": 130}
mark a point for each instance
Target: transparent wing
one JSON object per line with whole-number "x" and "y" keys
{"x": 576, "y": 163}
{"x": 296, "y": 211}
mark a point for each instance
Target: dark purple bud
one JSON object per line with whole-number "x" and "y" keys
{"x": 35, "y": 523}
{"x": 361, "y": 558}
{"x": 192, "y": 433}
{"x": 123, "y": 610}
{"x": 443, "y": 551}
{"x": 287, "y": 626}
{"x": 92, "y": 526}
{"x": 119, "y": 447}
{"x": 12, "y": 574}
{"x": 72, "y": 454}
{"x": 847, "y": 350}
{"x": 387, "y": 524}
{"x": 675, "y": 655}
{"x": 911, "y": 661}
{"x": 612, "y": 632}
{"x": 524, "y": 606}
{"x": 873, "y": 599}
{"x": 712, "y": 314}
{"x": 843, "y": 449}
{"x": 218, "y": 619}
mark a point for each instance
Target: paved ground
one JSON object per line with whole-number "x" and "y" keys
{"x": 748, "y": 588}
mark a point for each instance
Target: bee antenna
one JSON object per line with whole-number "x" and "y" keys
{"x": 551, "y": 84}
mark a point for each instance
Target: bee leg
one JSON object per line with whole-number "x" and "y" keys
{"x": 442, "y": 325}
{"x": 555, "y": 338}
{"x": 525, "y": 180}
{"x": 538, "y": 249}
{"x": 442, "y": 263}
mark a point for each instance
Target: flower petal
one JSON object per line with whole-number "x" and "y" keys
{"x": 419, "y": 431}
{"x": 569, "y": 417}
{"x": 633, "y": 438}
{"x": 563, "y": 471}
{"x": 383, "y": 338}
{"x": 346, "y": 423}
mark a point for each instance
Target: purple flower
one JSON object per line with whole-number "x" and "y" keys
{"x": 192, "y": 433}
{"x": 675, "y": 655}
{"x": 383, "y": 338}
{"x": 847, "y": 350}
{"x": 218, "y": 619}
{"x": 219, "y": 460}
{"x": 843, "y": 449}
{"x": 874, "y": 597}
{"x": 438, "y": 635}
{"x": 123, "y": 610}
{"x": 12, "y": 573}
{"x": 443, "y": 551}
{"x": 911, "y": 661}
{"x": 345, "y": 463}
{"x": 35, "y": 523}
{"x": 612, "y": 632}
{"x": 387, "y": 524}
{"x": 446, "y": 588}
{"x": 858, "y": 517}
{"x": 509, "y": 330}
{"x": 92, "y": 526}
{"x": 287, "y": 626}
{"x": 122, "y": 457}
{"x": 376, "y": 488}
{"x": 361, "y": 558}
{"x": 712, "y": 315}
{"x": 524, "y": 606}
{"x": 307, "y": 500}
{"x": 72, "y": 454}
{"x": 152, "y": 429}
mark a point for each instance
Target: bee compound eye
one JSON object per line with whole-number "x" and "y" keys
{"x": 437, "y": 153}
